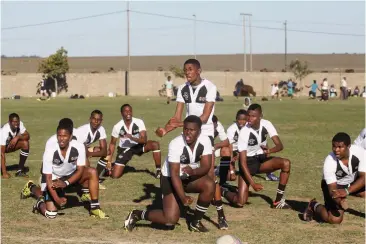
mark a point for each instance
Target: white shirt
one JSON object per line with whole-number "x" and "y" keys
{"x": 251, "y": 140}
{"x": 233, "y": 135}
{"x": 85, "y": 135}
{"x": 325, "y": 85}
{"x": 220, "y": 131}
{"x": 274, "y": 89}
{"x": 180, "y": 152}
{"x": 334, "y": 171}
{"x": 54, "y": 163}
{"x": 361, "y": 139}
{"x": 344, "y": 83}
{"x": 169, "y": 84}
{"x": 195, "y": 102}
{"x": 7, "y": 134}
{"x": 120, "y": 129}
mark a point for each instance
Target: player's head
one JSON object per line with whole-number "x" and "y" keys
{"x": 192, "y": 70}
{"x": 241, "y": 117}
{"x": 64, "y": 134}
{"x": 314, "y": 81}
{"x": 254, "y": 114}
{"x": 126, "y": 112}
{"x": 247, "y": 101}
{"x": 169, "y": 77}
{"x": 192, "y": 128}
{"x": 66, "y": 122}
{"x": 14, "y": 121}
{"x": 341, "y": 143}
{"x": 96, "y": 118}
{"x": 214, "y": 120}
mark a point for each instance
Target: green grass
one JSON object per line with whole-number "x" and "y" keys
{"x": 305, "y": 127}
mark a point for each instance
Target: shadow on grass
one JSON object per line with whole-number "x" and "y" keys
{"x": 153, "y": 192}
{"x": 129, "y": 169}
{"x": 15, "y": 167}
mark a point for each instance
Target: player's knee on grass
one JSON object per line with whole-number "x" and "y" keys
{"x": 225, "y": 152}
{"x": 335, "y": 217}
{"x": 171, "y": 218}
{"x": 117, "y": 171}
{"x": 51, "y": 210}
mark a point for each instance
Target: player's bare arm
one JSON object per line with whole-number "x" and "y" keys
{"x": 52, "y": 190}
{"x": 277, "y": 148}
{"x": 102, "y": 152}
{"x": 221, "y": 144}
{"x": 3, "y": 164}
{"x": 112, "y": 146}
{"x": 207, "y": 111}
{"x": 141, "y": 140}
{"x": 177, "y": 184}
{"x": 205, "y": 166}
{"x": 25, "y": 137}
{"x": 248, "y": 176}
{"x": 354, "y": 187}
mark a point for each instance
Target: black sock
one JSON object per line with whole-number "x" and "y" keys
{"x": 220, "y": 209}
{"x": 224, "y": 169}
{"x": 280, "y": 192}
{"x": 94, "y": 204}
{"x": 101, "y": 166}
{"x": 31, "y": 188}
{"x": 22, "y": 158}
{"x": 201, "y": 208}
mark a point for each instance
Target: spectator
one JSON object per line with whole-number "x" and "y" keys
{"x": 356, "y": 92}
{"x": 344, "y": 94}
{"x": 274, "y": 91}
{"x": 314, "y": 87}
{"x": 333, "y": 91}
{"x": 290, "y": 88}
{"x": 238, "y": 86}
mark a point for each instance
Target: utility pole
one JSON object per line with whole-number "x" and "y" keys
{"x": 194, "y": 36}
{"x": 245, "y": 52}
{"x": 250, "y": 43}
{"x": 128, "y": 47}
{"x": 285, "y": 24}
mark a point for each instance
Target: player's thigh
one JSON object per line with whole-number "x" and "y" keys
{"x": 202, "y": 184}
{"x": 21, "y": 144}
{"x": 272, "y": 164}
{"x": 171, "y": 208}
{"x": 243, "y": 191}
{"x": 151, "y": 146}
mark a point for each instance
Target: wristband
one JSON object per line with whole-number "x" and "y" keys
{"x": 67, "y": 182}
{"x": 232, "y": 172}
{"x": 346, "y": 189}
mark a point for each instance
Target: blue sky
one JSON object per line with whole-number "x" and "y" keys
{"x": 154, "y": 35}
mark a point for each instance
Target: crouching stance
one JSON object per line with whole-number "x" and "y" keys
{"x": 185, "y": 171}
{"x": 64, "y": 166}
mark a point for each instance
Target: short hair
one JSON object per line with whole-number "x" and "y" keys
{"x": 13, "y": 115}
{"x": 214, "y": 118}
{"x": 66, "y": 122}
{"x": 314, "y": 81}
{"x": 125, "y": 105}
{"x": 241, "y": 112}
{"x": 96, "y": 112}
{"x": 193, "y": 119}
{"x": 193, "y": 61}
{"x": 342, "y": 137}
{"x": 255, "y": 106}
{"x": 65, "y": 127}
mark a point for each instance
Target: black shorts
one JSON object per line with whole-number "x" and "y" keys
{"x": 60, "y": 192}
{"x": 254, "y": 164}
{"x": 124, "y": 155}
{"x": 167, "y": 187}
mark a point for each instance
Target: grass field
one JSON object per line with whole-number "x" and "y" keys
{"x": 305, "y": 127}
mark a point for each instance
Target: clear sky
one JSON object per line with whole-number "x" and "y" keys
{"x": 156, "y": 35}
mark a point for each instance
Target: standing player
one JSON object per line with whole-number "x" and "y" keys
{"x": 169, "y": 89}
{"x": 254, "y": 159}
{"x": 340, "y": 169}
{"x": 185, "y": 170}
{"x": 14, "y": 136}
{"x": 132, "y": 140}
{"x": 63, "y": 166}
{"x": 361, "y": 139}
{"x": 198, "y": 95}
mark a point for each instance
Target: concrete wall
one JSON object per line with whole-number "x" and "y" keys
{"x": 148, "y": 83}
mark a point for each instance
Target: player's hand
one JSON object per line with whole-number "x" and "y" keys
{"x": 174, "y": 122}
{"x": 234, "y": 159}
{"x": 129, "y": 136}
{"x": 188, "y": 170}
{"x": 13, "y": 142}
{"x": 6, "y": 176}
{"x": 160, "y": 132}
{"x": 58, "y": 184}
{"x": 63, "y": 202}
{"x": 232, "y": 176}
{"x": 257, "y": 187}
{"x": 187, "y": 200}
{"x": 339, "y": 193}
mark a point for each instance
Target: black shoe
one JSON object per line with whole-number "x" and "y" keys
{"x": 197, "y": 226}
{"x": 158, "y": 174}
{"x": 223, "y": 224}
{"x": 21, "y": 173}
{"x": 131, "y": 221}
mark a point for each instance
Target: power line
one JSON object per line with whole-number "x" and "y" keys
{"x": 258, "y": 27}
{"x": 309, "y": 23}
{"x": 62, "y": 21}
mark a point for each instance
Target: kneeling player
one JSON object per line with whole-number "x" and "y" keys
{"x": 14, "y": 136}
{"x": 185, "y": 170}
{"x": 63, "y": 166}
{"x": 340, "y": 171}
{"x": 132, "y": 136}
{"x": 254, "y": 160}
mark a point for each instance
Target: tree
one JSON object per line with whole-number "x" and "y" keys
{"x": 55, "y": 67}
{"x": 178, "y": 72}
{"x": 299, "y": 69}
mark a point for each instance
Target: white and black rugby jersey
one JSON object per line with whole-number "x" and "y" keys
{"x": 361, "y": 139}
{"x": 233, "y": 135}
{"x": 180, "y": 152}
{"x": 220, "y": 132}
{"x": 266, "y": 128}
{"x": 53, "y": 139}
{"x": 195, "y": 100}
{"x": 85, "y": 135}
{"x": 334, "y": 171}
{"x": 120, "y": 129}
{"x": 7, "y": 134}
{"x": 54, "y": 163}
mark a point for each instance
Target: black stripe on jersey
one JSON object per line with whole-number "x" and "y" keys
{"x": 186, "y": 94}
{"x": 252, "y": 140}
{"x": 184, "y": 158}
{"x": 264, "y": 134}
{"x": 122, "y": 131}
{"x": 135, "y": 129}
{"x": 199, "y": 151}
{"x": 340, "y": 173}
{"x": 88, "y": 139}
{"x": 74, "y": 154}
{"x": 354, "y": 163}
{"x": 97, "y": 136}
{"x": 216, "y": 133}
{"x": 201, "y": 96}
{"x": 74, "y": 138}
{"x": 56, "y": 160}
{"x": 236, "y": 136}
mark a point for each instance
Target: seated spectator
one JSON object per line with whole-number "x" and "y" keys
{"x": 356, "y": 92}
{"x": 333, "y": 91}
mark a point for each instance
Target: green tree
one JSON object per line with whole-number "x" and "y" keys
{"x": 299, "y": 69}
{"x": 55, "y": 67}
{"x": 178, "y": 72}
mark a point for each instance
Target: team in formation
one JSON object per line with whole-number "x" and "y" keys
{"x": 190, "y": 164}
